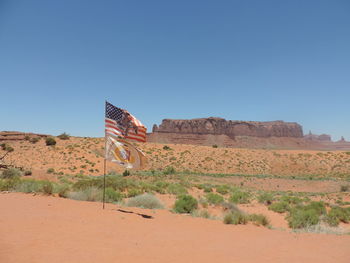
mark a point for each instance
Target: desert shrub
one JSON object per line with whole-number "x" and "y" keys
{"x": 50, "y": 141}
{"x": 27, "y": 137}
{"x": 89, "y": 194}
{"x": 64, "y": 136}
{"x": 6, "y": 147}
{"x": 176, "y": 189}
{"x": 236, "y": 218}
{"x": 113, "y": 196}
{"x": 222, "y": 189}
{"x": 266, "y": 198}
{"x": 344, "y": 188}
{"x": 126, "y": 173}
{"x": 280, "y": 207}
{"x": 259, "y": 219}
{"x": 214, "y": 199}
{"x": 27, "y": 172}
{"x": 207, "y": 188}
{"x": 11, "y": 173}
{"x": 9, "y": 184}
{"x": 29, "y": 186}
{"x": 215, "y": 146}
{"x": 202, "y": 213}
{"x": 166, "y": 147}
{"x": 338, "y": 214}
{"x": 294, "y": 200}
{"x": 318, "y": 207}
{"x": 302, "y": 218}
{"x": 229, "y": 207}
{"x": 239, "y": 197}
{"x": 50, "y": 170}
{"x": 134, "y": 192}
{"x": 169, "y": 170}
{"x": 63, "y": 191}
{"x": 34, "y": 140}
{"x": 47, "y": 188}
{"x": 146, "y": 200}
{"x": 185, "y": 204}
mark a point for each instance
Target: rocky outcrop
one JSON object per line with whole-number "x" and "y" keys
{"x": 15, "y": 136}
{"x": 315, "y": 137}
{"x": 219, "y": 126}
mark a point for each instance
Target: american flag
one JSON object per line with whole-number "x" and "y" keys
{"x": 120, "y": 123}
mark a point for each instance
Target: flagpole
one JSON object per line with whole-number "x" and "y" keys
{"x": 104, "y": 168}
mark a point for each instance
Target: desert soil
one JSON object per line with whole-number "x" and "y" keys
{"x": 49, "y": 229}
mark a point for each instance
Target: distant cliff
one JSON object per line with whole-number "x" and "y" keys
{"x": 219, "y": 126}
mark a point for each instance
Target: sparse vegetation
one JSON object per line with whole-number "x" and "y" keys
{"x": 11, "y": 173}
{"x": 63, "y": 136}
{"x": 214, "y": 199}
{"x": 50, "y": 141}
{"x": 146, "y": 200}
{"x": 185, "y": 204}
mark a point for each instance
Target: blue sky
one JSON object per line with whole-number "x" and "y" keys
{"x": 240, "y": 60}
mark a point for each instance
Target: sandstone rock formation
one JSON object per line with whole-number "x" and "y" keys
{"x": 314, "y": 137}
{"x": 219, "y": 126}
{"x": 14, "y": 135}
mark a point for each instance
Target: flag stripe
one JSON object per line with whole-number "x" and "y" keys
{"x": 129, "y": 137}
{"x": 115, "y": 123}
{"x": 141, "y": 134}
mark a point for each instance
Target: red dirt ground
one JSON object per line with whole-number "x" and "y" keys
{"x": 48, "y": 229}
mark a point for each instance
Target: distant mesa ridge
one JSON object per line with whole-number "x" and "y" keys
{"x": 220, "y": 126}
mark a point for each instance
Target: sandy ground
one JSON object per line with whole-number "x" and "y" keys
{"x": 49, "y": 229}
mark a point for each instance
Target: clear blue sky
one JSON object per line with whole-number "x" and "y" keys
{"x": 240, "y": 60}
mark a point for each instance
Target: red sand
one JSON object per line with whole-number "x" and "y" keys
{"x": 49, "y": 229}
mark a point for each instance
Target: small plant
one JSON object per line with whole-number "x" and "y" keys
{"x": 47, "y": 188}
{"x": 185, "y": 204}
{"x": 146, "y": 200}
{"x": 28, "y": 173}
{"x": 302, "y": 218}
{"x": 166, "y": 147}
{"x": 344, "y": 188}
{"x": 112, "y": 195}
{"x": 126, "y": 173}
{"x": 176, "y": 189}
{"x": 266, "y": 198}
{"x": 280, "y": 207}
{"x": 50, "y": 141}
{"x": 215, "y": 146}
{"x": 34, "y": 140}
{"x": 50, "y": 170}
{"x": 239, "y": 197}
{"x": 236, "y": 218}
{"x": 338, "y": 214}
{"x": 64, "y": 136}
{"x": 169, "y": 170}
{"x": 214, "y": 199}
{"x": 11, "y": 173}
{"x": 202, "y": 213}
{"x": 6, "y": 147}
{"x": 223, "y": 189}
{"x": 259, "y": 219}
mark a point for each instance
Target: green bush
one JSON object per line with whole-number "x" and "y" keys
{"x": 291, "y": 199}
{"x": 259, "y": 219}
{"x": 112, "y": 195}
{"x": 34, "y": 140}
{"x": 64, "y": 136}
{"x": 63, "y": 191}
{"x": 338, "y": 214}
{"x": 215, "y": 146}
{"x": 146, "y": 200}
{"x": 185, "y": 204}
{"x": 11, "y": 173}
{"x": 236, "y": 218}
{"x": 280, "y": 207}
{"x": 29, "y": 186}
{"x": 169, "y": 170}
{"x": 239, "y": 197}
{"x": 50, "y": 170}
{"x": 28, "y": 173}
{"x": 134, "y": 192}
{"x": 126, "y": 173}
{"x": 166, "y": 147}
{"x": 223, "y": 189}
{"x": 344, "y": 188}
{"x": 47, "y": 188}
{"x": 50, "y": 141}
{"x": 266, "y": 198}
{"x": 89, "y": 194}
{"x": 214, "y": 199}
{"x": 202, "y": 213}
{"x": 176, "y": 189}
{"x": 319, "y": 207}
{"x": 302, "y": 218}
